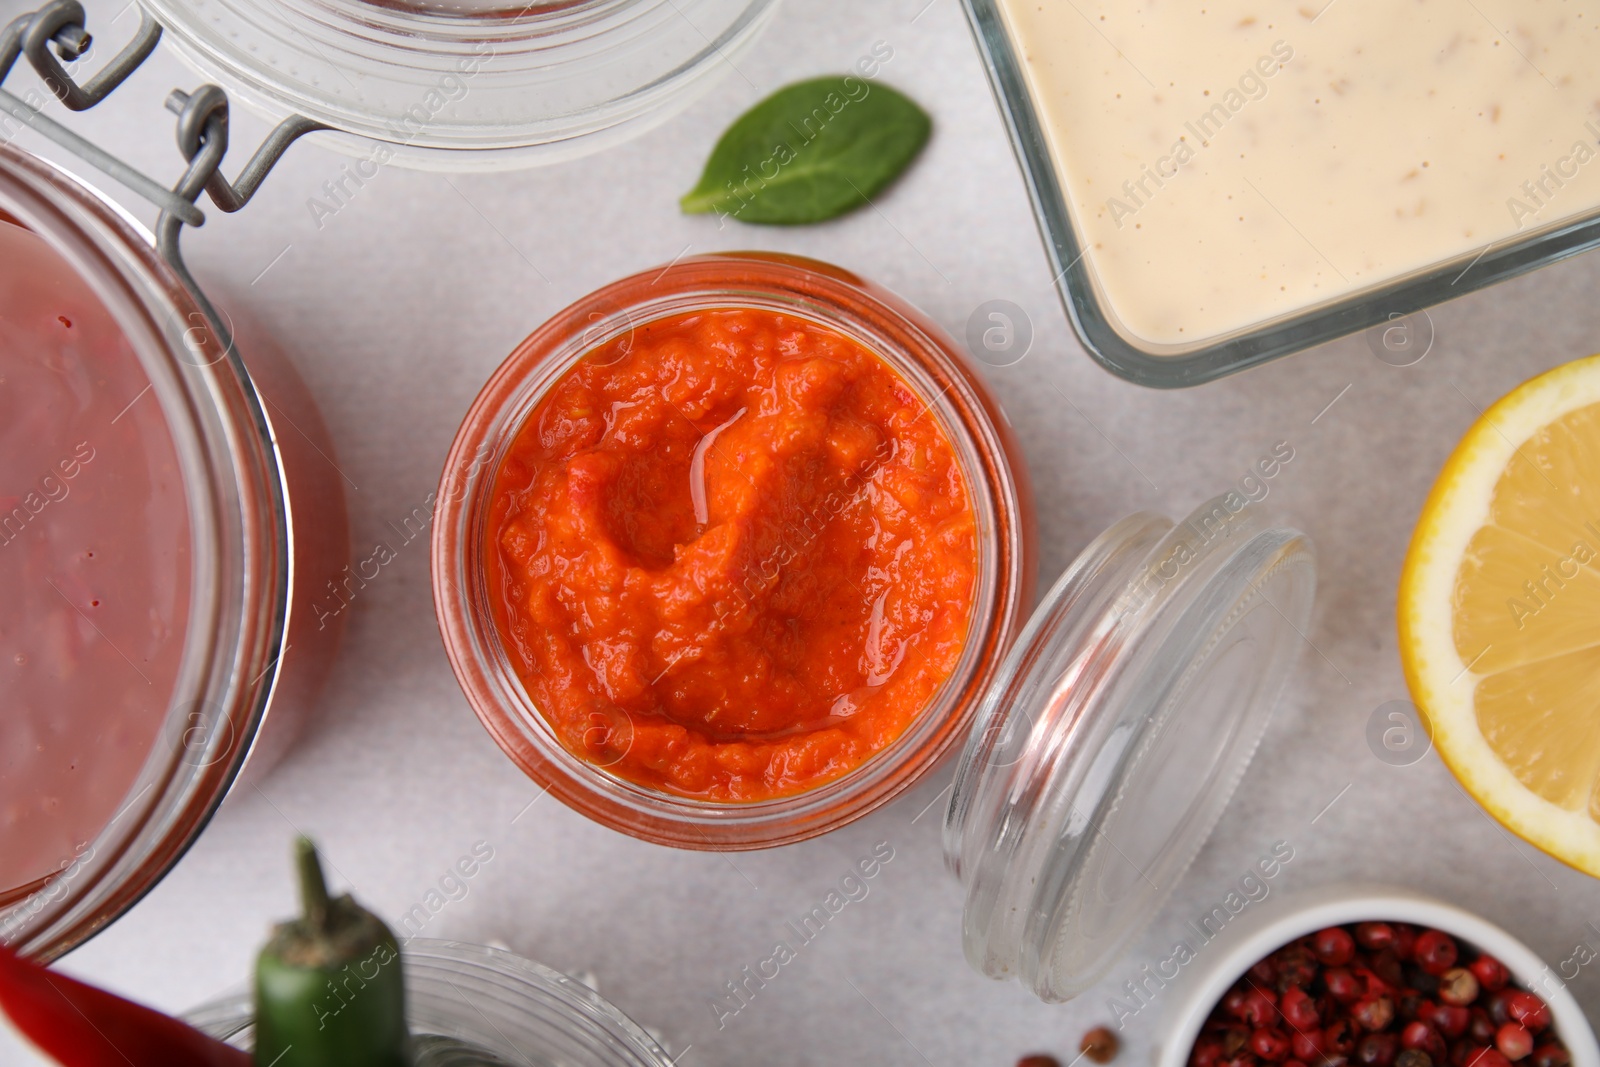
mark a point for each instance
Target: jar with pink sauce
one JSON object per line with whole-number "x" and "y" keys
{"x": 168, "y": 511}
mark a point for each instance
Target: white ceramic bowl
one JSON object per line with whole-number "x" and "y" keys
{"x": 1263, "y": 928}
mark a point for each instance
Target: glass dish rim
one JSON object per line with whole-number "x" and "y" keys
{"x": 990, "y": 461}
{"x": 1206, "y": 361}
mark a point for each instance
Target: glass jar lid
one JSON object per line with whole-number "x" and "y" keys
{"x": 467, "y": 84}
{"x": 1116, "y": 731}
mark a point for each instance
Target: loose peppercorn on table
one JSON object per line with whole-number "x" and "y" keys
{"x": 398, "y": 299}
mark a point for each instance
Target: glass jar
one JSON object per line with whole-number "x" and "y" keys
{"x": 1102, "y": 741}
{"x": 472, "y": 85}
{"x": 470, "y": 1004}
{"x": 261, "y": 532}
{"x": 924, "y": 358}
{"x": 1416, "y": 158}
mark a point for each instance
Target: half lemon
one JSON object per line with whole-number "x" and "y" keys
{"x": 1499, "y": 612}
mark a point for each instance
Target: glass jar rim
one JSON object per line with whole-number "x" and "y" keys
{"x": 471, "y": 91}
{"x": 505, "y": 1000}
{"x": 840, "y": 301}
{"x": 240, "y": 551}
{"x": 1115, "y": 734}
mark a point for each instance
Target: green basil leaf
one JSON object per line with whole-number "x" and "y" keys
{"x": 811, "y": 151}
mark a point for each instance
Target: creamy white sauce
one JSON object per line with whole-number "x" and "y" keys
{"x": 1230, "y": 163}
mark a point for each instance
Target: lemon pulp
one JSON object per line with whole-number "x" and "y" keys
{"x": 1499, "y": 612}
{"x": 1527, "y": 613}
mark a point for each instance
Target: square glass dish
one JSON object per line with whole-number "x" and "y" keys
{"x": 1220, "y": 188}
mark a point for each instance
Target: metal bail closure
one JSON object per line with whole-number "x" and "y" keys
{"x": 1116, "y": 731}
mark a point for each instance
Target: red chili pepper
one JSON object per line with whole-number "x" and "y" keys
{"x": 81, "y": 1026}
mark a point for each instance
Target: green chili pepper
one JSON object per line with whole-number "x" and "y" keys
{"x": 328, "y": 986}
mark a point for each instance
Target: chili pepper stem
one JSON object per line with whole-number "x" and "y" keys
{"x": 329, "y": 987}
{"x": 313, "y": 886}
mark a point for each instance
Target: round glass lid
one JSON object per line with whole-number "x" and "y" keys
{"x": 1115, "y": 734}
{"x": 467, "y": 83}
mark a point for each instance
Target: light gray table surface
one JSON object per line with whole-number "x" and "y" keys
{"x": 396, "y": 310}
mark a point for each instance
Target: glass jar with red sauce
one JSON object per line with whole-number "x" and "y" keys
{"x": 168, "y": 515}
{"x": 701, "y": 528}
{"x": 907, "y": 365}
